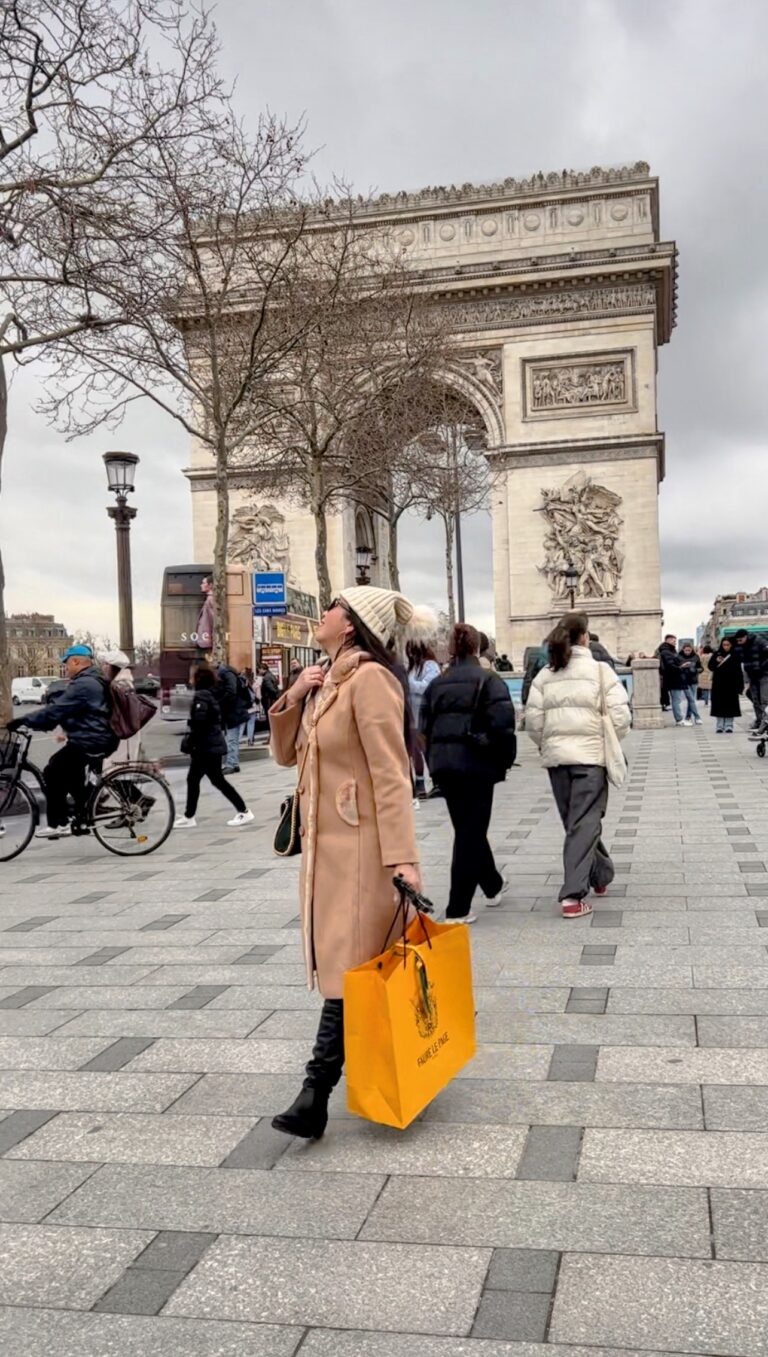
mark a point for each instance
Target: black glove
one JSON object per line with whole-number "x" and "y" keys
{"x": 15, "y": 724}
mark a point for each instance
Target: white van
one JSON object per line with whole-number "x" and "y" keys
{"x": 25, "y": 690}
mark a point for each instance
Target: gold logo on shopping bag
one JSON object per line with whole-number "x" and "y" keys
{"x": 425, "y": 1003}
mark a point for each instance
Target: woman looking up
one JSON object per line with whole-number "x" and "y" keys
{"x": 347, "y": 725}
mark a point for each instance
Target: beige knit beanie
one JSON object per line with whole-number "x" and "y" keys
{"x": 385, "y": 613}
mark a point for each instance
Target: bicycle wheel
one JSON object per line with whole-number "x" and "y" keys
{"x": 131, "y": 811}
{"x": 19, "y": 817}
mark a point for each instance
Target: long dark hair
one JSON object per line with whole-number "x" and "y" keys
{"x": 204, "y": 677}
{"x": 363, "y": 638}
{"x": 417, "y": 653}
{"x": 464, "y": 642}
{"x": 564, "y": 637}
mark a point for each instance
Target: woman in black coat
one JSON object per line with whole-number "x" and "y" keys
{"x": 468, "y": 723}
{"x": 727, "y": 687}
{"x": 206, "y": 745}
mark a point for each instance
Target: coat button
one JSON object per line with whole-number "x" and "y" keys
{"x": 301, "y": 791}
{"x": 302, "y": 831}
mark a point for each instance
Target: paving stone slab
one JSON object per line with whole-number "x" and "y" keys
{"x": 121, "y": 998}
{"x": 740, "y": 1224}
{"x": 682, "y": 1305}
{"x": 254, "y": 1095}
{"x": 51, "y": 1265}
{"x": 736, "y": 1109}
{"x": 25, "y": 1022}
{"x": 48, "y": 1053}
{"x": 235, "y": 1201}
{"x": 88, "y": 1092}
{"x": 502, "y": 1214}
{"x": 605, "y": 1031}
{"x": 38, "y": 1333}
{"x": 733, "y": 1031}
{"x": 428, "y": 1290}
{"x": 684, "y": 1158}
{"x": 158, "y": 1023}
{"x": 678, "y": 1065}
{"x": 422, "y": 1150}
{"x": 694, "y": 1001}
{"x": 29, "y": 1191}
{"x": 204, "y": 1056}
{"x": 134, "y": 1138}
{"x": 561, "y": 1104}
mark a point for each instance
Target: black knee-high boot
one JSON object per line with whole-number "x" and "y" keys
{"x": 308, "y": 1115}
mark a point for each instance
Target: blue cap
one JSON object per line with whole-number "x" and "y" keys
{"x": 82, "y": 652}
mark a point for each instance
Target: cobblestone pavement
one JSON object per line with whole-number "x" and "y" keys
{"x": 595, "y": 1184}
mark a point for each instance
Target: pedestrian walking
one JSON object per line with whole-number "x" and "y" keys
{"x": 248, "y": 730}
{"x": 485, "y": 656}
{"x": 504, "y": 664}
{"x": 534, "y": 661}
{"x": 672, "y": 679}
{"x": 422, "y": 668}
{"x": 704, "y": 690}
{"x": 293, "y": 673}
{"x": 599, "y": 651}
{"x": 752, "y": 652}
{"x": 116, "y": 667}
{"x": 235, "y": 702}
{"x": 206, "y": 745}
{"x": 347, "y": 726}
{"x": 468, "y": 722}
{"x": 690, "y": 668}
{"x": 567, "y": 706}
{"x": 727, "y": 686}
{"x": 270, "y": 688}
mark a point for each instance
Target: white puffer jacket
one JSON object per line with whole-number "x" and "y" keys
{"x": 563, "y": 714}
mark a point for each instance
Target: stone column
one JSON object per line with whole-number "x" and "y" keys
{"x": 646, "y": 695}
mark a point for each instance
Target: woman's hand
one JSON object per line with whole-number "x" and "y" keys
{"x": 411, "y": 874}
{"x": 308, "y": 681}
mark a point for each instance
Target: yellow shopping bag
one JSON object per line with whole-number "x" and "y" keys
{"x": 409, "y": 1022}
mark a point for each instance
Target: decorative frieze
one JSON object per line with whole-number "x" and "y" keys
{"x": 485, "y": 313}
{"x": 576, "y": 384}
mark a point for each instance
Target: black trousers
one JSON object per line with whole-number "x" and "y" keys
{"x": 327, "y": 1061}
{"x": 209, "y": 765}
{"x": 470, "y": 803}
{"x": 65, "y": 773}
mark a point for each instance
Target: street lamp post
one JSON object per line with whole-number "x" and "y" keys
{"x": 571, "y": 577}
{"x": 121, "y": 469}
{"x": 364, "y": 554}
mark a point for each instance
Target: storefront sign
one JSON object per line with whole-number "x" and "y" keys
{"x": 272, "y": 657}
{"x": 290, "y": 632}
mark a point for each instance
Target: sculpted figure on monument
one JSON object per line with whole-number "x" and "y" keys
{"x": 258, "y": 538}
{"x": 580, "y": 384}
{"x": 583, "y": 526}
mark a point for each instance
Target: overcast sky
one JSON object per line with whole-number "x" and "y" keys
{"x": 414, "y": 92}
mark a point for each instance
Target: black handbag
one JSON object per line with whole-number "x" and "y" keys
{"x": 287, "y": 841}
{"x": 186, "y": 743}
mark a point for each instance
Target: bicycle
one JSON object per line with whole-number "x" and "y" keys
{"x": 129, "y": 809}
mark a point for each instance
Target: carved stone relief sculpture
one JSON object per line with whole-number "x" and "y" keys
{"x": 258, "y": 538}
{"x": 579, "y": 386}
{"x": 485, "y": 365}
{"x": 582, "y": 530}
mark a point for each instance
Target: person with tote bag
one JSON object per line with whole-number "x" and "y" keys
{"x": 577, "y": 715}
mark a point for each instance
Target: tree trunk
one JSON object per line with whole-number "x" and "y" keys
{"x": 5, "y": 659}
{"x": 394, "y": 569}
{"x": 321, "y": 539}
{"x": 221, "y": 622}
{"x": 448, "y": 524}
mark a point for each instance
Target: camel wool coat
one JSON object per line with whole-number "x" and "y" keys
{"x": 356, "y": 805}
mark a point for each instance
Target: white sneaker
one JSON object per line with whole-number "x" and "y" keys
{"x": 465, "y": 919}
{"x": 687, "y": 722}
{"x": 60, "y": 833}
{"x": 698, "y": 721}
{"x": 185, "y": 822}
{"x": 496, "y": 901}
{"x": 243, "y": 817}
{"x": 416, "y": 803}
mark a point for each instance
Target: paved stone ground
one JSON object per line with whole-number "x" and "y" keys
{"x": 594, "y": 1185}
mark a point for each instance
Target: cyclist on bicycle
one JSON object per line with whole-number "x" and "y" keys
{"x": 83, "y": 712}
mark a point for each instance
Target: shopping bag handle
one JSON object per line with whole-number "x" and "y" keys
{"x": 420, "y": 903}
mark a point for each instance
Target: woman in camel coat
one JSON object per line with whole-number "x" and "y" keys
{"x": 346, "y": 727}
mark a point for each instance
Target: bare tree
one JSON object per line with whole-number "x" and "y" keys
{"x": 148, "y": 653}
{"x": 365, "y": 344}
{"x": 449, "y": 480}
{"x": 81, "y": 98}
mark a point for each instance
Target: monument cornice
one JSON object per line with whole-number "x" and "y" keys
{"x": 568, "y": 451}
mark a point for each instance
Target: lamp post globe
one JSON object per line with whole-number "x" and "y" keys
{"x": 363, "y": 556}
{"x": 571, "y": 577}
{"x": 121, "y": 471}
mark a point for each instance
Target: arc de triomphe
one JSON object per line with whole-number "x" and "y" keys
{"x": 560, "y": 292}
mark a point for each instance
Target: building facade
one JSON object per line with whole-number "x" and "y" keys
{"x": 35, "y": 644}
{"x": 732, "y": 611}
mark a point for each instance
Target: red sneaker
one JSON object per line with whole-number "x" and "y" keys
{"x": 575, "y": 909}
{"x": 600, "y": 890}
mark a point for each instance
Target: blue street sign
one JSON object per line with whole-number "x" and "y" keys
{"x": 269, "y": 596}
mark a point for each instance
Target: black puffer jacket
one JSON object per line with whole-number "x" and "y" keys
{"x": 233, "y": 697}
{"x": 206, "y": 734}
{"x": 468, "y": 721}
{"x": 690, "y": 668}
{"x": 754, "y": 656}
{"x": 669, "y": 667}
{"x": 83, "y": 711}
